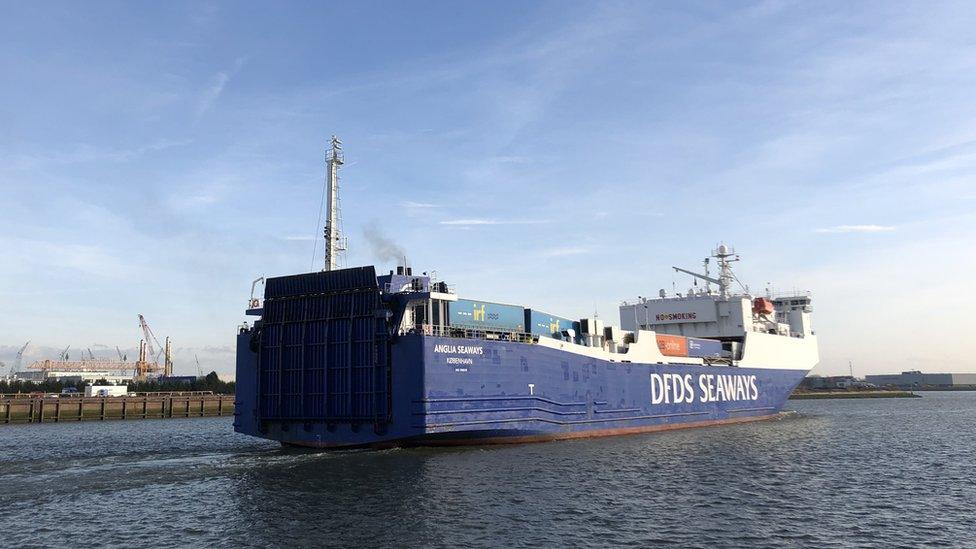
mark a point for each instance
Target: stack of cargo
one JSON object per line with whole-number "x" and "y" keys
{"x": 547, "y": 325}
{"x": 704, "y": 348}
{"x": 485, "y": 315}
{"x": 673, "y": 345}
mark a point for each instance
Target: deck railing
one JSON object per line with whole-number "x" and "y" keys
{"x": 464, "y": 332}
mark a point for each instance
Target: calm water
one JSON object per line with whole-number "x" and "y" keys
{"x": 841, "y": 473}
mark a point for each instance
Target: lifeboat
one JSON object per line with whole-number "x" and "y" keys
{"x": 762, "y": 306}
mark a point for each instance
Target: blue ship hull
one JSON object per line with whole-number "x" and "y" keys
{"x": 443, "y": 390}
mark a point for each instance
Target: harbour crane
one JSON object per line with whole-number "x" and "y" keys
{"x": 148, "y": 355}
{"x": 150, "y": 338}
{"x": 122, "y": 357}
{"x": 64, "y": 354}
{"x": 20, "y": 357}
{"x": 199, "y": 369}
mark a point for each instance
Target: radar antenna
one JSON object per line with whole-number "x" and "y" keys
{"x": 725, "y": 277}
{"x": 335, "y": 243}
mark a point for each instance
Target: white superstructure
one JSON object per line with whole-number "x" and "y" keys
{"x": 761, "y": 331}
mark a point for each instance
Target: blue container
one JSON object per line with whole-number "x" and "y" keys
{"x": 484, "y": 315}
{"x": 545, "y": 324}
{"x": 704, "y": 348}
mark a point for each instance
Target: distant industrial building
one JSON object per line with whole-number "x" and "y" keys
{"x": 829, "y": 383}
{"x": 178, "y": 379}
{"x": 39, "y": 376}
{"x": 914, "y": 379}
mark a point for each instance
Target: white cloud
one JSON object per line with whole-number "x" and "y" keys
{"x": 420, "y": 205}
{"x": 305, "y": 238}
{"x": 473, "y": 222}
{"x": 856, "y": 229}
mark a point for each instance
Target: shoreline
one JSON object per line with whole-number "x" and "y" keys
{"x": 815, "y": 395}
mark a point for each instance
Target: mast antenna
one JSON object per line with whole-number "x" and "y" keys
{"x": 724, "y": 255}
{"x": 335, "y": 243}
{"x": 708, "y": 287}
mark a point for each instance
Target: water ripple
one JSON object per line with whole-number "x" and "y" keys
{"x": 867, "y": 473}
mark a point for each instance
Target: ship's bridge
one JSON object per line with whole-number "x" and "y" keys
{"x": 422, "y": 301}
{"x": 697, "y": 316}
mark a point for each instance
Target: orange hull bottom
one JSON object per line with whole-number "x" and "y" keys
{"x": 548, "y": 437}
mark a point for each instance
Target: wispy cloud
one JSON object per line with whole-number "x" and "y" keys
{"x": 93, "y": 260}
{"x": 474, "y": 222}
{"x": 204, "y": 15}
{"x": 86, "y": 153}
{"x": 205, "y": 195}
{"x": 564, "y": 251}
{"x": 587, "y": 117}
{"x": 212, "y": 93}
{"x": 420, "y": 205}
{"x": 216, "y": 87}
{"x": 419, "y": 209}
{"x": 856, "y": 229}
{"x": 510, "y": 159}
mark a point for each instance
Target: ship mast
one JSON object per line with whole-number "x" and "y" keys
{"x": 725, "y": 256}
{"x": 725, "y": 277}
{"x": 335, "y": 243}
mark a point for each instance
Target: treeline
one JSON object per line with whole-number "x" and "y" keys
{"x": 210, "y": 382}
{"x": 46, "y": 386}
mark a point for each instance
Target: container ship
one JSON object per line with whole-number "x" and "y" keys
{"x": 348, "y": 358}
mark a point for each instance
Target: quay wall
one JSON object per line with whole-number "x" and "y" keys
{"x": 43, "y": 409}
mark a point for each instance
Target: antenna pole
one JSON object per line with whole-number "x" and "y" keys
{"x": 335, "y": 243}
{"x": 708, "y": 287}
{"x": 725, "y": 256}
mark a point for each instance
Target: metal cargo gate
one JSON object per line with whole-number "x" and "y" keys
{"x": 324, "y": 349}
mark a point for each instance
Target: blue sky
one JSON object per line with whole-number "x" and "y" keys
{"x": 157, "y": 157}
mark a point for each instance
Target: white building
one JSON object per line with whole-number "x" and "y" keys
{"x": 39, "y": 376}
